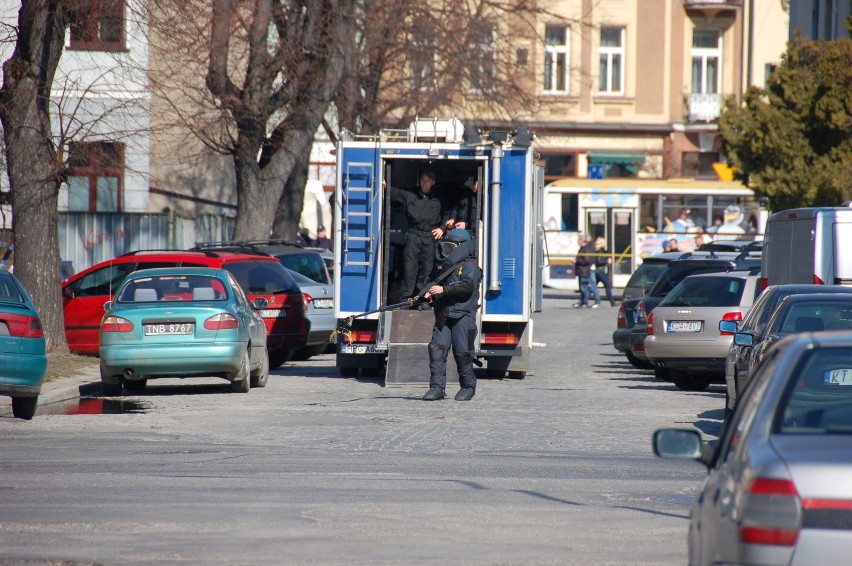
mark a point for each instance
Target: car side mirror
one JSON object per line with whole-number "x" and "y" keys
{"x": 728, "y": 326}
{"x": 260, "y": 303}
{"x": 743, "y": 339}
{"x": 678, "y": 443}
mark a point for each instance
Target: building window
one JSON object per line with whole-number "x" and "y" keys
{"x": 95, "y": 177}
{"x": 699, "y": 164}
{"x": 423, "y": 63}
{"x": 706, "y": 55}
{"x": 611, "y": 68}
{"x": 559, "y": 165}
{"x": 483, "y": 44}
{"x": 98, "y": 26}
{"x": 556, "y": 59}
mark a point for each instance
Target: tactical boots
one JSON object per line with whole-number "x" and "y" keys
{"x": 465, "y": 394}
{"x": 434, "y": 394}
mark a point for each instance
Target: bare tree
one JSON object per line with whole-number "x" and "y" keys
{"x": 33, "y": 161}
{"x": 272, "y": 68}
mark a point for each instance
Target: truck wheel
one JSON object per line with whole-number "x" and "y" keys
{"x": 24, "y": 407}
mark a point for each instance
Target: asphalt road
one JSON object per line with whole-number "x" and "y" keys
{"x": 318, "y": 469}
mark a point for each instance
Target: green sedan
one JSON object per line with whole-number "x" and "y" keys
{"x": 182, "y": 322}
{"x": 22, "y": 355}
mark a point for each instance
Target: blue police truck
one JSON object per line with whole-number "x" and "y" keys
{"x": 370, "y": 232}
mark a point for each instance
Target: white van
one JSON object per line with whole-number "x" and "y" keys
{"x": 808, "y": 245}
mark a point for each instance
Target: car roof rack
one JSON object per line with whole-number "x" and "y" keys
{"x": 164, "y": 251}
{"x": 237, "y": 246}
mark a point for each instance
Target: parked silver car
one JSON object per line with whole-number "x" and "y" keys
{"x": 319, "y": 298}
{"x": 778, "y": 489}
{"x": 683, "y": 330}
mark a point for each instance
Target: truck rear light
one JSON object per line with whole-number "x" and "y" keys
{"x": 362, "y": 336}
{"x": 650, "y": 329}
{"x": 22, "y": 326}
{"x": 736, "y": 316}
{"x": 116, "y": 324}
{"x": 772, "y": 513}
{"x": 501, "y": 338}
{"x": 221, "y": 321}
{"x": 621, "y": 321}
{"x": 817, "y": 280}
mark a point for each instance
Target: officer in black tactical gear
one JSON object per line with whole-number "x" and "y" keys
{"x": 423, "y": 210}
{"x": 454, "y": 300}
{"x": 464, "y": 214}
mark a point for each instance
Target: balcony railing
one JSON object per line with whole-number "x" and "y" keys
{"x": 704, "y": 107}
{"x": 713, "y": 4}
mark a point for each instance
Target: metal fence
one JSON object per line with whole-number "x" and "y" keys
{"x": 88, "y": 238}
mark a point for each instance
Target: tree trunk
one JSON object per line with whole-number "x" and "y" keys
{"x": 33, "y": 163}
{"x": 292, "y": 199}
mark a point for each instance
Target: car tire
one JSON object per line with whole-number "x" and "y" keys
{"x": 260, "y": 378}
{"x": 243, "y": 382}
{"x": 135, "y": 385}
{"x": 686, "y": 382}
{"x": 637, "y": 363}
{"x": 662, "y": 373}
{"x": 24, "y": 407}
{"x": 517, "y": 374}
{"x": 109, "y": 389}
{"x": 279, "y": 358}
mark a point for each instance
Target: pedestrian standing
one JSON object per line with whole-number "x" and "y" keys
{"x": 454, "y": 301}
{"x": 583, "y": 266}
{"x": 423, "y": 211}
{"x": 601, "y": 273}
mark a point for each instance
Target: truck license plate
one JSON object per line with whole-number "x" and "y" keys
{"x": 357, "y": 349}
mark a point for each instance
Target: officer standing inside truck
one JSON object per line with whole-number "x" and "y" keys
{"x": 423, "y": 211}
{"x": 455, "y": 299}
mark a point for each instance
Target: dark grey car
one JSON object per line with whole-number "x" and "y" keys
{"x": 738, "y": 362}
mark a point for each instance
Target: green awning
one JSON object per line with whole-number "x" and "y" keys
{"x": 614, "y": 157}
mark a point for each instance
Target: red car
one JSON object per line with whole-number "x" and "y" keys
{"x": 260, "y": 275}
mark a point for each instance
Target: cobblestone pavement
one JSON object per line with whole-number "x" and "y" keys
{"x": 553, "y": 469}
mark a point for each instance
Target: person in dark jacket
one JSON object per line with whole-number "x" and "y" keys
{"x": 423, "y": 211}
{"x": 601, "y": 272}
{"x": 464, "y": 213}
{"x": 583, "y": 266}
{"x": 455, "y": 300}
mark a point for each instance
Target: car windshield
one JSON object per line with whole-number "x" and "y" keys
{"x": 646, "y": 274}
{"x": 311, "y": 265}
{"x": 706, "y": 292}
{"x": 262, "y": 277}
{"x": 820, "y": 400}
{"x": 166, "y": 288}
{"x": 9, "y": 291}
{"x": 816, "y": 316}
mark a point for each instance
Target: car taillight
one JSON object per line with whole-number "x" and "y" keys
{"x": 764, "y": 283}
{"x": 650, "y": 329}
{"x": 621, "y": 322}
{"x": 817, "y": 280}
{"x": 736, "y": 316}
{"x": 640, "y": 310}
{"x": 308, "y": 298}
{"x": 221, "y": 321}
{"x": 23, "y": 326}
{"x": 772, "y": 513}
{"x": 116, "y": 324}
